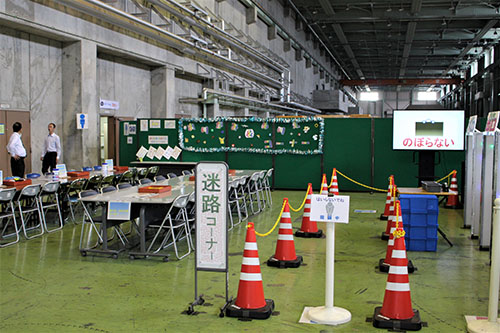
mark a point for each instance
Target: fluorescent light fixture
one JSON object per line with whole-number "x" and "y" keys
{"x": 427, "y": 96}
{"x": 369, "y": 96}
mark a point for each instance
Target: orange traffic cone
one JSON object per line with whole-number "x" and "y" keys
{"x": 250, "y": 302}
{"x": 309, "y": 229}
{"x": 385, "y": 234}
{"x": 384, "y": 263}
{"x": 385, "y": 215}
{"x": 324, "y": 186}
{"x": 334, "y": 185}
{"x": 396, "y": 311}
{"x": 453, "y": 199}
{"x": 285, "y": 248}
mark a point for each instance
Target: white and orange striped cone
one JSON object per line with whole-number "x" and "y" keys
{"x": 384, "y": 263}
{"x": 385, "y": 234}
{"x": 453, "y": 201}
{"x": 324, "y": 186}
{"x": 396, "y": 312}
{"x": 385, "y": 215}
{"x": 333, "y": 189}
{"x": 285, "y": 256}
{"x": 309, "y": 229}
{"x": 250, "y": 302}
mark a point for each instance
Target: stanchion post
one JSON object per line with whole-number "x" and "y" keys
{"x": 492, "y": 324}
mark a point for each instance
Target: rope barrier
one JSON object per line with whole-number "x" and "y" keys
{"x": 303, "y": 202}
{"x": 275, "y": 224}
{"x": 447, "y": 176}
{"x": 360, "y": 184}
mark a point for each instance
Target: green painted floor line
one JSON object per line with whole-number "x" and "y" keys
{"x": 46, "y": 286}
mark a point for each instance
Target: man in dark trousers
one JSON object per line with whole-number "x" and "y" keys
{"x": 17, "y": 151}
{"x": 51, "y": 150}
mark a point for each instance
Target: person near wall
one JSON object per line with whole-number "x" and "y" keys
{"x": 51, "y": 150}
{"x": 17, "y": 151}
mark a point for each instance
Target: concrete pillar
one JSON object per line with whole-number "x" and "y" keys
{"x": 242, "y": 112}
{"x": 287, "y": 45}
{"x": 163, "y": 102}
{"x": 271, "y": 32}
{"x": 79, "y": 95}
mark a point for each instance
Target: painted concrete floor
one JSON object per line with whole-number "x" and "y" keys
{"x": 46, "y": 286}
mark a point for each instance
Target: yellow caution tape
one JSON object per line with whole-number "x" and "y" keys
{"x": 358, "y": 183}
{"x": 275, "y": 225}
{"x": 447, "y": 176}
{"x": 303, "y": 202}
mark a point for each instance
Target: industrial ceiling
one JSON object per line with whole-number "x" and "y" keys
{"x": 403, "y": 39}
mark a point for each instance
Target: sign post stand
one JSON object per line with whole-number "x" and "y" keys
{"x": 337, "y": 211}
{"x": 211, "y": 225}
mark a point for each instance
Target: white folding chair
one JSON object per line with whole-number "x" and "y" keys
{"x": 29, "y": 210}
{"x": 8, "y": 217}
{"x": 49, "y": 198}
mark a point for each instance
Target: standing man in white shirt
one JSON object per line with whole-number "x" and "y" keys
{"x": 17, "y": 151}
{"x": 51, "y": 150}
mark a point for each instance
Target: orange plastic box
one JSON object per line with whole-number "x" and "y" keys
{"x": 155, "y": 189}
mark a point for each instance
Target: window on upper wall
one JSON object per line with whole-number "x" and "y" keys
{"x": 473, "y": 68}
{"x": 369, "y": 96}
{"x": 489, "y": 57}
{"x": 427, "y": 96}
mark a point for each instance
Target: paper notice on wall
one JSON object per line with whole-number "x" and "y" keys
{"x": 157, "y": 139}
{"x": 125, "y": 129}
{"x": 144, "y": 125}
{"x": 168, "y": 152}
{"x": 159, "y": 152}
{"x": 153, "y": 123}
{"x": 176, "y": 152}
{"x": 132, "y": 129}
{"x": 169, "y": 124}
{"x": 130, "y": 140}
{"x": 151, "y": 152}
{"x": 141, "y": 152}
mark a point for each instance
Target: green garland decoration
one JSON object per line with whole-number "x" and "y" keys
{"x": 319, "y": 150}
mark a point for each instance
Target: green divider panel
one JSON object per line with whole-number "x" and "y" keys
{"x": 249, "y": 161}
{"x": 295, "y": 171}
{"x": 348, "y": 148}
{"x": 188, "y": 156}
{"x": 392, "y": 162}
{"x": 157, "y": 132}
{"x": 249, "y": 134}
{"x": 128, "y": 142}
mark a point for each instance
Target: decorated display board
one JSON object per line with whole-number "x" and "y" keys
{"x": 157, "y": 137}
{"x": 254, "y": 135}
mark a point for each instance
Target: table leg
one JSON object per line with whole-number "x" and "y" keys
{"x": 142, "y": 228}
{"x": 444, "y": 236}
{"x": 105, "y": 228}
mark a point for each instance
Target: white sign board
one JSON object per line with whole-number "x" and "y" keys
{"x": 472, "y": 124}
{"x": 63, "y": 172}
{"x": 158, "y": 139}
{"x": 112, "y": 105}
{"x": 330, "y": 209}
{"x": 82, "y": 121}
{"x": 1, "y": 177}
{"x": 118, "y": 210}
{"x": 211, "y": 215}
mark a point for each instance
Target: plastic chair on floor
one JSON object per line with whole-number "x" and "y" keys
{"x": 74, "y": 188}
{"x": 145, "y": 181}
{"x": 267, "y": 186}
{"x": 8, "y": 217}
{"x": 32, "y": 175}
{"x": 49, "y": 198}
{"x": 29, "y": 210}
{"x": 170, "y": 225}
{"x": 160, "y": 178}
{"x": 253, "y": 191}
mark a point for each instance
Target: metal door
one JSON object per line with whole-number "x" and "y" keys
{"x": 11, "y": 117}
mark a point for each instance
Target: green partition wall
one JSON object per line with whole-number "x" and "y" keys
{"x": 350, "y": 145}
{"x": 128, "y": 142}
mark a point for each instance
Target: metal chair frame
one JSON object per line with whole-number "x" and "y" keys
{"x": 28, "y": 203}
{"x": 50, "y": 192}
{"x": 74, "y": 188}
{"x": 168, "y": 224}
{"x": 8, "y": 212}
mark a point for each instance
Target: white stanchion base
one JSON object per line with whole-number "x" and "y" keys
{"x": 483, "y": 326}
{"x": 329, "y": 316}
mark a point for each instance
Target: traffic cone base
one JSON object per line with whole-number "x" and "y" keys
{"x": 232, "y": 310}
{"x": 384, "y": 267}
{"x": 273, "y": 262}
{"x": 383, "y": 217}
{"x": 384, "y": 236}
{"x": 412, "y": 324}
{"x": 303, "y": 234}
